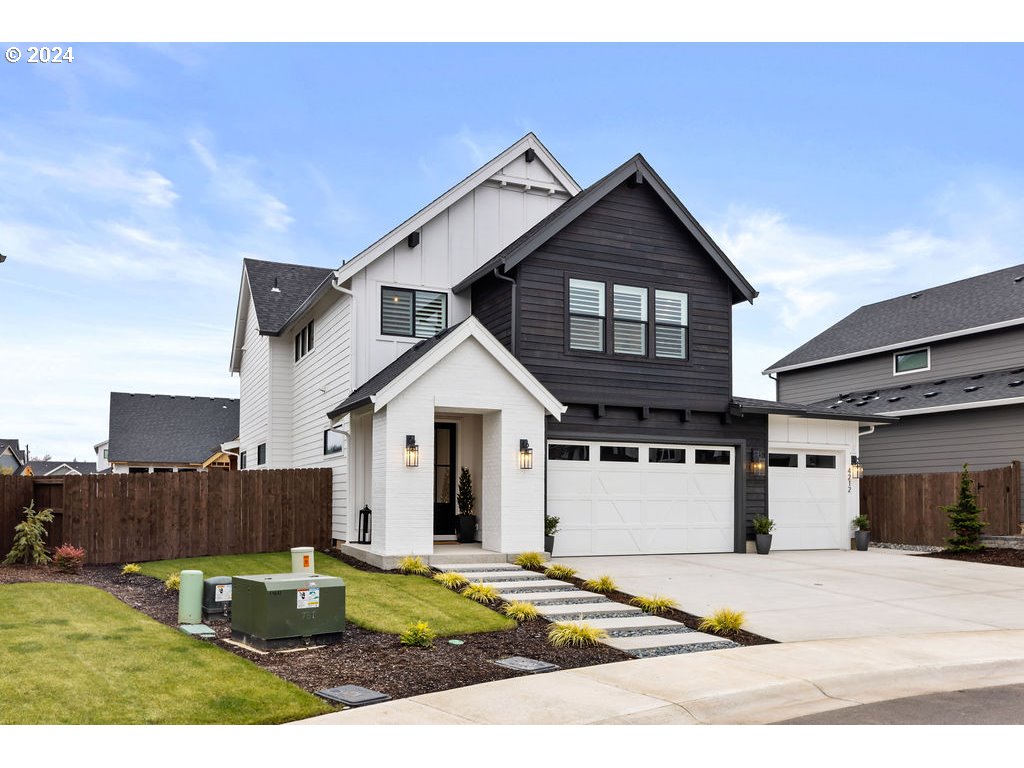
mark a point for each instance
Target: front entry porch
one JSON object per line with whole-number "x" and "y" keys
{"x": 444, "y": 553}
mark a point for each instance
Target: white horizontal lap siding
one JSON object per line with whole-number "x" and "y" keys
{"x": 254, "y": 389}
{"x": 279, "y": 439}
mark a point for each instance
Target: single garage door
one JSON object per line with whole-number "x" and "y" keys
{"x": 640, "y": 498}
{"x": 805, "y": 499}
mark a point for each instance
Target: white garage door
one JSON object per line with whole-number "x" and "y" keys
{"x": 639, "y": 498}
{"x": 805, "y": 499}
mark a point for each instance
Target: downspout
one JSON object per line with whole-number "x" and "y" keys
{"x": 350, "y": 505}
{"x": 515, "y": 305}
{"x": 776, "y": 380}
{"x": 870, "y": 430}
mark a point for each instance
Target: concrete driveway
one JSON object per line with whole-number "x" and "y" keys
{"x": 818, "y": 595}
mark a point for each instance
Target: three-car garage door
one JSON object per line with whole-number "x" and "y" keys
{"x": 640, "y": 498}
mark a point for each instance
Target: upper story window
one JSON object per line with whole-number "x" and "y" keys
{"x": 670, "y": 323}
{"x": 241, "y": 460}
{"x": 261, "y": 453}
{"x": 417, "y": 314}
{"x": 304, "y": 341}
{"x": 914, "y": 360}
{"x": 586, "y": 315}
{"x": 630, "y": 328}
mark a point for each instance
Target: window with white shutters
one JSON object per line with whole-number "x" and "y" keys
{"x": 418, "y": 314}
{"x": 630, "y": 320}
{"x": 670, "y": 323}
{"x": 586, "y": 315}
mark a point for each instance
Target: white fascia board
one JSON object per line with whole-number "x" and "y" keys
{"x": 71, "y": 470}
{"x": 959, "y": 407}
{"x": 900, "y": 345}
{"x": 470, "y": 327}
{"x": 241, "y": 320}
{"x": 362, "y": 260}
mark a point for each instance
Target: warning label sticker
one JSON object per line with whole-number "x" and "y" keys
{"x": 308, "y": 598}
{"x": 222, "y": 593}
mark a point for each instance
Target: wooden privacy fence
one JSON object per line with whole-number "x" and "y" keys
{"x": 906, "y": 509}
{"x": 138, "y": 517}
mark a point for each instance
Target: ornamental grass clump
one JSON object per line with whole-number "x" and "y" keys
{"x": 559, "y": 572}
{"x": 655, "y": 604}
{"x": 173, "y": 582}
{"x": 530, "y": 560}
{"x": 130, "y": 568}
{"x": 413, "y": 566}
{"x": 520, "y": 611}
{"x": 69, "y": 558}
{"x": 419, "y": 635}
{"x": 569, "y": 635}
{"x": 723, "y": 622}
{"x": 452, "y": 580}
{"x": 482, "y": 593}
{"x": 30, "y": 537}
{"x": 602, "y": 585}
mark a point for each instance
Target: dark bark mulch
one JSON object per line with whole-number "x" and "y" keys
{"x": 990, "y": 555}
{"x": 371, "y": 659}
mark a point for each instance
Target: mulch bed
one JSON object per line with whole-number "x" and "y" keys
{"x": 990, "y": 555}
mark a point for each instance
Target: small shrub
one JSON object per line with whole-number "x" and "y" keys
{"x": 173, "y": 582}
{"x": 129, "y": 568}
{"x": 654, "y": 604}
{"x": 569, "y": 635}
{"x": 861, "y": 523}
{"x": 481, "y": 593}
{"x": 965, "y": 518}
{"x": 451, "y": 580}
{"x": 69, "y": 558}
{"x": 551, "y": 525}
{"x": 520, "y": 611}
{"x": 602, "y": 585}
{"x": 559, "y": 572}
{"x": 413, "y": 565}
{"x": 419, "y": 635}
{"x": 722, "y": 622}
{"x": 30, "y": 537}
{"x": 530, "y": 560}
{"x": 763, "y": 525}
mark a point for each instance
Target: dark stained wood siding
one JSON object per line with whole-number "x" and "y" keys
{"x": 629, "y": 237}
{"x": 492, "y": 306}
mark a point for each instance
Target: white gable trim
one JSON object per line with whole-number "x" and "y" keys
{"x": 71, "y": 470}
{"x": 241, "y": 318}
{"x": 470, "y": 327}
{"x": 453, "y": 195}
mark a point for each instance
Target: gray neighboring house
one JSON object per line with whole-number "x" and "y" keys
{"x": 11, "y": 455}
{"x": 57, "y": 468}
{"x": 947, "y": 361}
{"x": 168, "y": 433}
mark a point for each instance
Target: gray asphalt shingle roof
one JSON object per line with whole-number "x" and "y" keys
{"x": 44, "y": 467}
{"x": 814, "y": 410}
{"x": 995, "y": 297}
{"x": 167, "y": 428}
{"x": 14, "y": 445}
{"x": 951, "y": 391}
{"x": 296, "y": 285}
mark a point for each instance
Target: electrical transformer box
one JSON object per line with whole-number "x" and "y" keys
{"x": 285, "y": 610}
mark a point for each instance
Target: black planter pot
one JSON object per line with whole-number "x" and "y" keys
{"x": 861, "y": 538}
{"x": 549, "y": 544}
{"x": 763, "y": 542}
{"x": 465, "y": 528}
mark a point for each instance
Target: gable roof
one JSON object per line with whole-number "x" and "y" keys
{"x": 42, "y": 468}
{"x": 955, "y": 393}
{"x": 529, "y": 142}
{"x": 296, "y": 286}
{"x": 392, "y": 380}
{"x": 973, "y": 305}
{"x": 14, "y": 446}
{"x": 638, "y": 169}
{"x": 169, "y": 429}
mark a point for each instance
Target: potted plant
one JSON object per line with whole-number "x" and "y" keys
{"x": 861, "y": 532}
{"x": 550, "y": 529}
{"x": 763, "y": 527}
{"x": 465, "y": 521}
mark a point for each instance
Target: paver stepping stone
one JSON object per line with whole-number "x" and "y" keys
{"x": 572, "y": 612}
{"x": 567, "y": 597}
{"x": 492, "y": 576}
{"x": 476, "y": 567}
{"x": 628, "y": 644}
{"x": 643, "y": 622}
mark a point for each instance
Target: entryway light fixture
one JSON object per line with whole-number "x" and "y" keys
{"x": 412, "y": 451}
{"x": 757, "y": 464}
{"x": 855, "y": 472}
{"x": 525, "y": 454}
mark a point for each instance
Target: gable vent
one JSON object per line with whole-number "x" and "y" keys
{"x": 531, "y": 155}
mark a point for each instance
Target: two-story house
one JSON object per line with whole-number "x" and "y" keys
{"x": 947, "y": 361}
{"x": 571, "y": 348}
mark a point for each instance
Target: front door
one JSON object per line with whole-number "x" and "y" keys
{"x": 444, "y": 479}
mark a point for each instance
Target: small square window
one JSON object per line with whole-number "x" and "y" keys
{"x": 334, "y": 442}
{"x": 915, "y": 360}
{"x": 261, "y": 453}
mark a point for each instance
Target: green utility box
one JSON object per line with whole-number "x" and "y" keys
{"x": 286, "y": 610}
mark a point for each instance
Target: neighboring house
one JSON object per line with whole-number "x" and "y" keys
{"x": 167, "y": 433}
{"x": 102, "y": 449}
{"x": 12, "y": 458}
{"x": 572, "y": 348}
{"x": 56, "y": 468}
{"x": 948, "y": 361}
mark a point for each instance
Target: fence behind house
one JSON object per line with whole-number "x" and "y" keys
{"x": 138, "y": 517}
{"x": 906, "y": 509}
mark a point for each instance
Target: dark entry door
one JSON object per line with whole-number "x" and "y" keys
{"x": 444, "y": 479}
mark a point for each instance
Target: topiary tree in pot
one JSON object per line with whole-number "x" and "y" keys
{"x": 465, "y": 521}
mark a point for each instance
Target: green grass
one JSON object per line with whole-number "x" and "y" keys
{"x": 383, "y": 602}
{"x": 71, "y": 654}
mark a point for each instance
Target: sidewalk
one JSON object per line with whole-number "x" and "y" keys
{"x": 757, "y": 684}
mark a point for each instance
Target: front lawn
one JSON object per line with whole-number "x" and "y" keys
{"x": 382, "y": 602}
{"x": 73, "y": 654}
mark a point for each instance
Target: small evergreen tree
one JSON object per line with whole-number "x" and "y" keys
{"x": 464, "y": 496}
{"x": 30, "y": 537}
{"x": 965, "y": 518}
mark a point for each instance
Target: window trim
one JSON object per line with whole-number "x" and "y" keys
{"x": 412, "y": 290}
{"x": 928, "y": 354}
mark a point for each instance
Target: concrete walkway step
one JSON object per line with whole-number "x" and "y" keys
{"x": 558, "y": 597}
{"x": 667, "y": 640}
{"x": 595, "y": 610}
{"x": 637, "y": 623}
{"x": 489, "y": 577}
{"x": 531, "y": 585}
{"x": 476, "y": 567}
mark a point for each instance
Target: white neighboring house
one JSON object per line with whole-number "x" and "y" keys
{"x": 102, "y": 462}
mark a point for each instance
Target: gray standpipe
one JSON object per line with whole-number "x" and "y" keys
{"x": 190, "y": 598}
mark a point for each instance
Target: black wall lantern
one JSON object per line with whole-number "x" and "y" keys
{"x": 412, "y": 451}
{"x": 757, "y": 465}
{"x": 525, "y": 454}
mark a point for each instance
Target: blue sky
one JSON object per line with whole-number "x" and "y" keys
{"x": 135, "y": 179}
